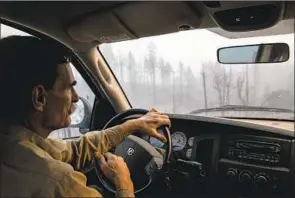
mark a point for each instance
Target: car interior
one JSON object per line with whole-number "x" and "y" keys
{"x": 232, "y": 157}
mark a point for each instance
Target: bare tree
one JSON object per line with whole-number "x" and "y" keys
{"x": 163, "y": 72}
{"x": 173, "y": 92}
{"x": 167, "y": 75}
{"x": 191, "y": 90}
{"x": 151, "y": 66}
{"x": 204, "y": 86}
{"x": 189, "y": 77}
{"x": 256, "y": 82}
{"x": 243, "y": 87}
{"x": 168, "y": 71}
{"x": 247, "y": 84}
{"x": 109, "y": 55}
{"x": 240, "y": 86}
{"x": 146, "y": 71}
{"x": 221, "y": 81}
{"x": 132, "y": 70}
{"x": 181, "y": 72}
{"x": 122, "y": 61}
{"x": 218, "y": 86}
{"x": 228, "y": 85}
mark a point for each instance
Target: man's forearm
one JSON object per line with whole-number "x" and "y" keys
{"x": 111, "y": 137}
{"x": 80, "y": 152}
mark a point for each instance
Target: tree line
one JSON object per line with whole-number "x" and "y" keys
{"x": 153, "y": 81}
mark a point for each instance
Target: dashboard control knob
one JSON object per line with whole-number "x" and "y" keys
{"x": 245, "y": 177}
{"x": 231, "y": 173}
{"x": 261, "y": 179}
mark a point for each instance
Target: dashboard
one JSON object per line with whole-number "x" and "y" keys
{"x": 215, "y": 157}
{"x": 239, "y": 159}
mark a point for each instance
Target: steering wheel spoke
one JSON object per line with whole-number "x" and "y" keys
{"x": 155, "y": 164}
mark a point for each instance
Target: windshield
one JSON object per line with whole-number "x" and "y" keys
{"x": 179, "y": 73}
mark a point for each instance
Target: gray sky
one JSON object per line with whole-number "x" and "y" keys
{"x": 193, "y": 47}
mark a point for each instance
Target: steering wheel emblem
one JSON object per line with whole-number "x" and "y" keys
{"x": 130, "y": 151}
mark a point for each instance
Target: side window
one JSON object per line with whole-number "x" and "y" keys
{"x": 81, "y": 117}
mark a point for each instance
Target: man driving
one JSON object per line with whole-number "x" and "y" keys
{"x": 38, "y": 97}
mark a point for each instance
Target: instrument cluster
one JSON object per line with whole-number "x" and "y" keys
{"x": 181, "y": 144}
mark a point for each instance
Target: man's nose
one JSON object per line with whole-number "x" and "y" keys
{"x": 75, "y": 96}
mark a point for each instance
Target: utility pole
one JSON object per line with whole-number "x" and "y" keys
{"x": 173, "y": 94}
{"x": 204, "y": 87}
{"x": 247, "y": 84}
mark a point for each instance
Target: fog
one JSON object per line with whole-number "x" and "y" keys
{"x": 179, "y": 73}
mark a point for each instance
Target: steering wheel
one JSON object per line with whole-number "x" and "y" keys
{"x": 143, "y": 160}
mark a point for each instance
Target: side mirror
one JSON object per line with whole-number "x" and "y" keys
{"x": 82, "y": 115}
{"x": 251, "y": 54}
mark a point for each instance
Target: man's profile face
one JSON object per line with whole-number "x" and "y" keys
{"x": 60, "y": 103}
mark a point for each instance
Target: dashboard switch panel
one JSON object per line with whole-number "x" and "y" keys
{"x": 241, "y": 178}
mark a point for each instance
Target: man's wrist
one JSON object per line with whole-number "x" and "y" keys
{"x": 124, "y": 194}
{"x": 123, "y": 184}
{"x": 131, "y": 126}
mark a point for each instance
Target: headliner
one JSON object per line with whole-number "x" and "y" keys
{"x": 39, "y": 16}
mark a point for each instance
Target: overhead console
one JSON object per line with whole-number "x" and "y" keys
{"x": 132, "y": 20}
{"x": 252, "y": 165}
{"x": 246, "y": 16}
{"x": 123, "y": 22}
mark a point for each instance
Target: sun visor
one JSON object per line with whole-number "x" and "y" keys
{"x": 134, "y": 20}
{"x": 103, "y": 28}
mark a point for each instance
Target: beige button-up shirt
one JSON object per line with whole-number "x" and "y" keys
{"x": 32, "y": 166}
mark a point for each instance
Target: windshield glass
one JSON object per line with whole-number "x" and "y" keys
{"x": 179, "y": 73}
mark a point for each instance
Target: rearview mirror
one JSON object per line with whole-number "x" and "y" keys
{"x": 251, "y": 54}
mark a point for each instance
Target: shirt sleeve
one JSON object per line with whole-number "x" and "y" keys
{"x": 79, "y": 153}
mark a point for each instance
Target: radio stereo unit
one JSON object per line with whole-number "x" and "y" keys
{"x": 256, "y": 151}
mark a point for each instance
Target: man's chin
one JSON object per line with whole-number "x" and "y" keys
{"x": 68, "y": 122}
{"x": 65, "y": 123}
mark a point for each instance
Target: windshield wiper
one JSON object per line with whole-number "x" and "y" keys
{"x": 242, "y": 108}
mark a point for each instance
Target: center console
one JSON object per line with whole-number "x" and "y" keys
{"x": 252, "y": 165}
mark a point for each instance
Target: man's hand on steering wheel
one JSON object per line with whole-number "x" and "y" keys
{"x": 150, "y": 122}
{"x": 142, "y": 159}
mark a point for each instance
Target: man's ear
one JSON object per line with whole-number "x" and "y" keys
{"x": 39, "y": 98}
